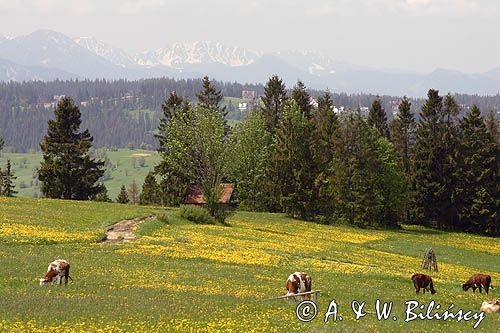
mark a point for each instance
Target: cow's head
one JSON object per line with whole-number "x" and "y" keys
{"x": 49, "y": 276}
{"x": 465, "y": 286}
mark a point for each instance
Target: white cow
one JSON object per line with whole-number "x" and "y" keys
{"x": 491, "y": 306}
{"x": 56, "y": 270}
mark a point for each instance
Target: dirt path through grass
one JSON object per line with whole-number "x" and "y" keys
{"x": 123, "y": 231}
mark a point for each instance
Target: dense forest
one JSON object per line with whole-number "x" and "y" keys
{"x": 127, "y": 113}
{"x": 436, "y": 167}
{"x": 322, "y": 165}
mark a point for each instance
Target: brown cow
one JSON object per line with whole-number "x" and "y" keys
{"x": 55, "y": 272}
{"x": 298, "y": 282}
{"x": 422, "y": 281}
{"x": 478, "y": 281}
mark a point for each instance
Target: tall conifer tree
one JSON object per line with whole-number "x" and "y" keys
{"x": 403, "y": 138}
{"x": 274, "y": 99}
{"x": 123, "y": 196}
{"x": 478, "y": 189}
{"x": 450, "y": 142}
{"x": 326, "y": 133}
{"x": 302, "y": 98}
{"x": 492, "y": 126}
{"x": 429, "y": 154}
{"x": 378, "y": 119}
{"x": 403, "y": 134}
{"x": 67, "y": 170}
{"x": 7, "y": 186}
{"x": 150, "y": 191}
{"x": 292, "y": 164}
{"x": 210, "y": 97}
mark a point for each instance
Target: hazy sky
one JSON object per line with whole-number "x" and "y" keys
{"x": 418, "y": 35}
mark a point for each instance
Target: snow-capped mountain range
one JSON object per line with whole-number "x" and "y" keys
{"x": 113, "y": 54}
{"x": 46, "y": 55}
{"x": 179, "y": 55}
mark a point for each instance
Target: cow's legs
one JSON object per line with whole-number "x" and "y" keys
{"x": 66, "y": 275}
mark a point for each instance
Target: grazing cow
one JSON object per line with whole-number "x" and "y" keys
{"x": 56, "y": 270}
{"x": 298, "y": 282}
{"x": 478, "y": 281}
{"x": 422, "y": 281}
{"x": 491, "y": 306}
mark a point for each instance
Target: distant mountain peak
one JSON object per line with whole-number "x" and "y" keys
{"x": 179, "y": 54}
{"x": 113, "y": 54}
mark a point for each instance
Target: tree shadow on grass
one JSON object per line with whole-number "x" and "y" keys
{"x": 420, "y": 231}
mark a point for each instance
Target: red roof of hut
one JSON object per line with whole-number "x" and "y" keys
{"x": 195, "y": 195}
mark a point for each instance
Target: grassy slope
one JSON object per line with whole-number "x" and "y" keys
{"x": 180, "y": 276}
{"x": 24, "y": 166}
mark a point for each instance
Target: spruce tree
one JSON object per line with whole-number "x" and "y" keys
{"x": 172, "y": 186}
{"x": 150, "y": 191}
{"x": 274, "y": 100}
{"x": 302, "y": 98}
{"x": 450, "y": 142}
{"x": 478, "y": 190}
{"x": 326, "y": 131}
{"x": 377, "y": 118}
{"x": 428, "y": 157}
{"x": 103, "y": 195}
{"x": 7, "y": 184}
{"x": 492, "y": 126}
{"x": 351, "y": 180}
{"x": 365, "y": 185}
{"x": 173, "y": 106}
{"x": 123, "y": 196}
{"x": 403, "y": 135}
{"x": 67, "y": 170}
{"x": 211, "y": 97}
{"x": 292, "y": 164}
{"x": 403, "y": 138}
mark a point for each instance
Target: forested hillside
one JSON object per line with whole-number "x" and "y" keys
{"x": 126, "y": 113}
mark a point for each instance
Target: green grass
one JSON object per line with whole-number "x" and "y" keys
{"x": 186, "y": 277}
{"x": 24, "y": 167}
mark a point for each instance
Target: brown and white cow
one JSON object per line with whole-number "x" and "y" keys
{"x": 422, "y": 281}
{"x": 491, "y": 306}
{"x": 298, "y": 282}
{"x": 57, "y": 269}
{"x": 478, "y": 281}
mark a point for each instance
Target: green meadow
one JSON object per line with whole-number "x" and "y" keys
{"x": 179, "y": 276}
{"x": 126, "y": 165}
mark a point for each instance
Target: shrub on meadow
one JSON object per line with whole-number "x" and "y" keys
{"x": 163, "y": 218}
{"x": 196, "y": 214}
